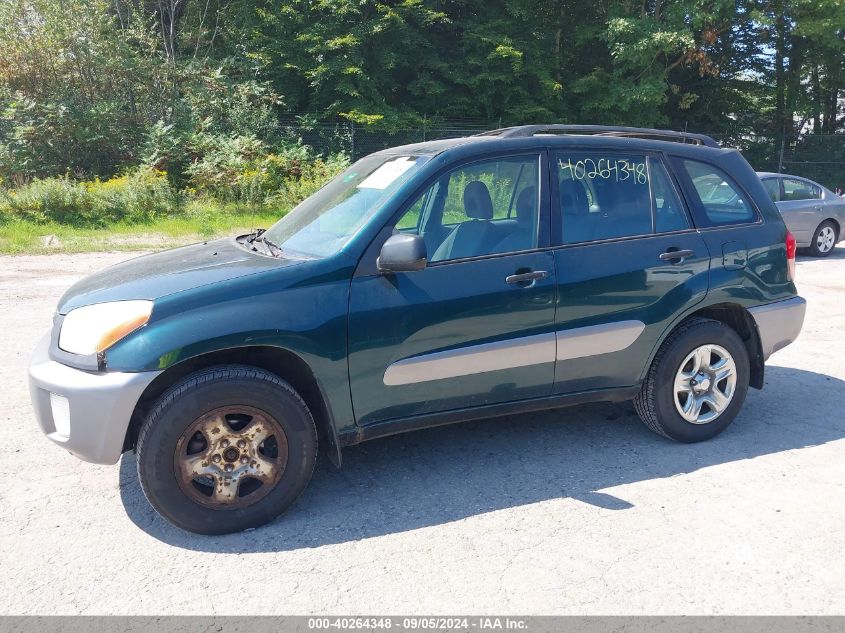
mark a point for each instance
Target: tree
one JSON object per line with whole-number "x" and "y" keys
{"x": 91, "y": 87}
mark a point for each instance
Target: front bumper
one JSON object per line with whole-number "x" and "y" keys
{"x": 779, "y": 323}
{"x": 86, "y": 413}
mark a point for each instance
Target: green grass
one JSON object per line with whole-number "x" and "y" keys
{"x": 141, "y": 209}
{"x": 28, "y": 237}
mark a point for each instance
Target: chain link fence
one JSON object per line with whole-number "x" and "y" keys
{"x": 819, "y": 157}
{"x": 356, "y": 140}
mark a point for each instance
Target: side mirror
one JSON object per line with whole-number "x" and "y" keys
{"x": 402, "y": 253}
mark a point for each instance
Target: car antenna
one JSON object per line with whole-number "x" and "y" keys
{"x": 255, "y": 232}
{"x": 252, "y": 227}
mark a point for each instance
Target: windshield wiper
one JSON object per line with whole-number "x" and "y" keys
{"x": 274, "y": 249}
{"x": 253, "y": 239}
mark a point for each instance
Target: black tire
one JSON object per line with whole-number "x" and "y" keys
{"x": 213, "y": 389}
{"x": 818, "y": 251}
{"x": 655, "y": 404}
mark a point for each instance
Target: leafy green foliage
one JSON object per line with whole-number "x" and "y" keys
{"x": 240, "y": 169}
{"x": 140, "y": 196}
{"x": 269, "y": 184}
{"x": 195, "y": 88}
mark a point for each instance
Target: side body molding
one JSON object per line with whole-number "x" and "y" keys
{"x": 475, "y": 359}
{"x": 597, "y": 339}
{"x": 519, "y": 352}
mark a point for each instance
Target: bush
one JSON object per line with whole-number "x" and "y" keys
{"x": 41, "y": 139}
{"x": 291, "y": 182}
{"x": 237, "y": 174}
{"x": 58, "y": 199}
{"x": 224, "y": 166}
{"x": 239, "y": 169}
{"x": 139, "y": 196}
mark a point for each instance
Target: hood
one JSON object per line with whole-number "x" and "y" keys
{"x": 169, "y": 272}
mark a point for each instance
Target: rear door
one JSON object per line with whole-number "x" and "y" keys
{"x": 628, "y": 262}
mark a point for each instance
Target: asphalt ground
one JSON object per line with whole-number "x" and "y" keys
{"x": 575, "y": 511}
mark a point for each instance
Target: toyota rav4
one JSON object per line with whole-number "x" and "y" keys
{"x": 522, "y": 269}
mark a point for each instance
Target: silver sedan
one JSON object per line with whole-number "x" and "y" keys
{"x": 813, "y": 214}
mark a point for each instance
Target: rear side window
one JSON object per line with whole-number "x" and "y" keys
{"x": 669, "y": 214}
{"x": 612, "y": 196}
{"x": 721, "y": 199}
{"x": 794, "y": 189}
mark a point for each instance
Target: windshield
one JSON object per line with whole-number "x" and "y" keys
{"x": 325, "y": 222}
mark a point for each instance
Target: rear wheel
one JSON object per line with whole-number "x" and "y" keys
{"x": 824, "y": 239}
{"x": 697, "y": 382}
{"x": 226, "y": 449}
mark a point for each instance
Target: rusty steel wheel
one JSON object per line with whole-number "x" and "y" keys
{"x": 225, "y": 449}
{"x": 231, "y": 457}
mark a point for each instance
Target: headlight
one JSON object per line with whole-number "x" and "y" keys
{"x": 91, "y": 329}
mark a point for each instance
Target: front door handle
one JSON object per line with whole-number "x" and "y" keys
{"x": 528, "y": 278}
{"x": 676, "y": 256}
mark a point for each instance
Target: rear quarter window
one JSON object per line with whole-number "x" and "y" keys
{"x": 719, "y": 199}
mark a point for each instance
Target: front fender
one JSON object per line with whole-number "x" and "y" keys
{"x": 307, "y": 319}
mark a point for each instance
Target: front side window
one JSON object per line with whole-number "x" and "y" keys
{"x": 721, "y": 199}
{"x": 794, "y": 189}
{"x": 612, "y": 196}
{"x": 772, "y": 186}
{"x": 325, "y": 222}
{"x": 479, "y": 209}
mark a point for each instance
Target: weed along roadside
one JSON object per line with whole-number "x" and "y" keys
{"x": 149, "y": 208}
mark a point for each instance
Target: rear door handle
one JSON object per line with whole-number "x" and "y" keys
{"x": 676, "y": 256}
{"x": 527, "y": 278}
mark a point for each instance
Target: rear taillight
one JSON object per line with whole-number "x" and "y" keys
{"x": 790, "y": 255}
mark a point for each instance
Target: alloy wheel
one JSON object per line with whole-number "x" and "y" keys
{"x": 826, "y": 239}
{"x": 705, "y": 384}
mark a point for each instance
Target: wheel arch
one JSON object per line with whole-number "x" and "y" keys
{"x": 836, "y": 224}
{"x": 740, "y": 321}
{"x": 277, "y": 360}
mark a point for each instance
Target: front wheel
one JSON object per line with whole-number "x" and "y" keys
{"x": 824, "y": 239}
{"x": 697, "y": 382}
{"x": 226, "y": 449}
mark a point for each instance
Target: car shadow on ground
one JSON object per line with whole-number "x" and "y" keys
{"x": 450, "y": 473}
{"x": 837, "y": 253}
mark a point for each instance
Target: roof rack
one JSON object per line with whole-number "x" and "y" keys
{"x": 524, "y": 131}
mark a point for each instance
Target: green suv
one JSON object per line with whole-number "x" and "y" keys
{"x": 522, "y": 269}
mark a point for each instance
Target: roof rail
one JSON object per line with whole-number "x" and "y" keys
{"x": 524, "y": 131}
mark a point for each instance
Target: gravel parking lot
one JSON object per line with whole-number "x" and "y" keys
{"x": 578, "y": 511}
